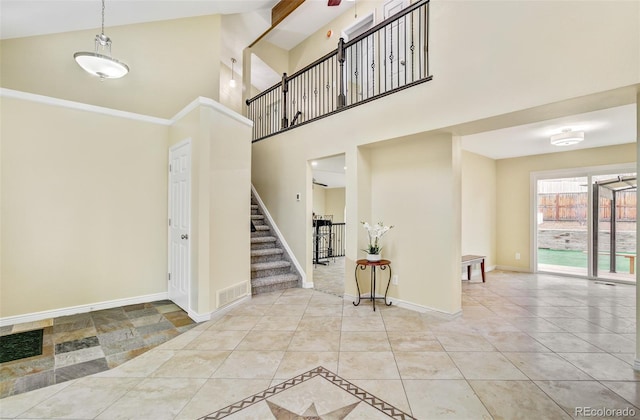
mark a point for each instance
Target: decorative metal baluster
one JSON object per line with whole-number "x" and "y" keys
{"x": 404, "y": 64}
{"x": 285, "y": 90}
{"x": 341, "y": 97}
{"x": 426, "y": 36}
{"x": 412, "y": 48}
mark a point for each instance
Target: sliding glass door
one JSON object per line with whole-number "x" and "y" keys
{"x": 585, "y": 224}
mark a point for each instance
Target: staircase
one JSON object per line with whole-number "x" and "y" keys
{"x": 271, "y": 267}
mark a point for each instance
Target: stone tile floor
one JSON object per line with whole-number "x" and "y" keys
{"x": 526, "y": 346}
{"x": 79, "y": 345}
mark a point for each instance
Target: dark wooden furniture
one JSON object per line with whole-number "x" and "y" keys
{"x": 469, "y": 260}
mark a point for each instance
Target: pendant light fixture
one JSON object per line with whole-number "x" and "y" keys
{"x": 232, "y": 82}
{"x": 100, "y": 63}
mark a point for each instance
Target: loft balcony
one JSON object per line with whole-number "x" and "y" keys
{"x": 389, "y": 57}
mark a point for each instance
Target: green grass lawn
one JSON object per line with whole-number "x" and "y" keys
{"x": 579, "y": 259}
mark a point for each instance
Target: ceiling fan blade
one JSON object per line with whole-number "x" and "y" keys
{"x": 333, "y": 2}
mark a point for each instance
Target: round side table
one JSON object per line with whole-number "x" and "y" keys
{"x": 383, "y": 265}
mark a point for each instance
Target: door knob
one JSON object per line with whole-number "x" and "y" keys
{"x": 185, "y": 236}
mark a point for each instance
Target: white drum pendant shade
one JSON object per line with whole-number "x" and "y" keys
{"x": 100, "y": 65}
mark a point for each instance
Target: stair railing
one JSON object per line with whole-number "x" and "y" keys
{"x": 389, "y": 57}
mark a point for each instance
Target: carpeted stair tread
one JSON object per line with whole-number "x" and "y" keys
{"x": 262, "y": 239}
{"x": 266, "y": 251}
{"x": 270, "y": 265}
{"x": 257, "y": 217}
{"x": 273, "y": 280}
{"x": 262, "y": 227}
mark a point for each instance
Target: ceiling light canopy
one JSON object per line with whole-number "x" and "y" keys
{"x": 100, "y": 63}
{"x": 567, "y": 138}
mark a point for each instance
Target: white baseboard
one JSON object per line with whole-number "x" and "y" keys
{"x": 509, "y": 268}
{"x": 72, "y": 310}
{"x": 636, "y": 365}
{"x": 307, "y": 285}
{"x": 406, "y": 305}
{"x": 218, "y": 312}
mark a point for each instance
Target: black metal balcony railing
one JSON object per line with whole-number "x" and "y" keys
{"x": 391, "y": 56}
{"x": 329, "y": 240}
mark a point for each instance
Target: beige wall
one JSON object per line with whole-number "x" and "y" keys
{"x": 415, "y": 186}
{"x": 172, "y": 62}
{"x": 335, "y": 203}
{"x": 229, "y": 201}
{"x": 329, "y": 201}
{"x": 279, "y": 171}
{"x": 83, "y": 207}
{"x": 542, "y": 50}
{"x": 317, "y": 44}
{"x": 513, "y": 205}
{"x": 231, "y": 97}
{"x": 479, "y": 206}
{"x": 319, "y": 194}
{"x": 273, "y": 56}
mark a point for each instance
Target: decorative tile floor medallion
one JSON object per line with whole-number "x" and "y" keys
{"x": 20, "y": 345}
{"x": 317, "y": 394}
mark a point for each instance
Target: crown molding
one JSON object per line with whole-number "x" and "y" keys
{"x": 198, "y": 102}
{"x": 48, "y": 100}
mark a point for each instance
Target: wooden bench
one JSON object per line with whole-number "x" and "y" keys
{"x": 632, "y": 262}
{"x": 631, "y": 257}
{"x": 469, "y": 260}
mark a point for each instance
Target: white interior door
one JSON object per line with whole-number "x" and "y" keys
{"x": 180, "y": 223}
{"x": 395, "y": 45}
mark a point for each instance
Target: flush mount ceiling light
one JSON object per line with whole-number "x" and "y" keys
{"x": 232, "y": 82}
{"x": 567, "y": 137}
{"x": 100, "y": 63}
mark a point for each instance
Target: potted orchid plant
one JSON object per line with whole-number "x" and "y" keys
{"x": 375, "y": 232}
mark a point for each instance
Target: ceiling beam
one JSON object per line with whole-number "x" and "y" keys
{"x": 283, "y": 9}
{"x": 279, "y": 13}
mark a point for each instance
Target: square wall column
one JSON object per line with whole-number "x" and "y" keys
{"x": 415, "y": 185}
{"x": 358, "y": 205}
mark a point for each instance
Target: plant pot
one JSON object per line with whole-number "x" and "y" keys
{"x": 374, "y": 257}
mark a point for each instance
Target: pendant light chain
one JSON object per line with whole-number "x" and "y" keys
{"x": 102, "y": 17}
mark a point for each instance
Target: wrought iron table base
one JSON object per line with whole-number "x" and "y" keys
{"x": 362, "y": 265}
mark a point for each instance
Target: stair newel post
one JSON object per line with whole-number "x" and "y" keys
{"x": 285, "y": 90}
{"x": 342, "y": 99}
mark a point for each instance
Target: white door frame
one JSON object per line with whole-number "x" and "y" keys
{"x": 171, "y": 276}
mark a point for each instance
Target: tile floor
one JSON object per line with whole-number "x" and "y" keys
{"x": 527, "y": 346}
{"x": 79, "y": 345}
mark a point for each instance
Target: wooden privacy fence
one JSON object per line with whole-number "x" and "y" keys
{"x": 557, "y": 207}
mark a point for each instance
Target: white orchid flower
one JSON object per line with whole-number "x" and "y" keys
{"x": 375, "y": 232}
